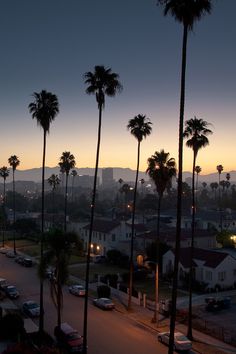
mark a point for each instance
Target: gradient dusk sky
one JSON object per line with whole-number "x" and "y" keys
{"x": 50, "y": 44}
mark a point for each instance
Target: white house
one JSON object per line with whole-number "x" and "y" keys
{"x": 216, "y": 269}
{"x": 108, "y": 235}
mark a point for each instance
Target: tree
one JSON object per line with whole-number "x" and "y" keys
{"x": 126, "y": 190}
{"x": 57, "y": 254}
{"x": 161, "y": 169}
{"x": 197, "y": 170}
{"x": 140, "y": 128}
{"x": 14, "y": 162}
{"x": 73, "y": 174}
{"x": 101, "y": 83}
{"x": 187, "y": 12}
{"x": 196, "y": 131}
{"x": 44, "y": 109}
{"x": 53, "y": 181}
{"x": 4, "y": 173}
{"x": 220, "y": 169}
{"x": 67, "y": 162}
{"x": 214, "y": 186}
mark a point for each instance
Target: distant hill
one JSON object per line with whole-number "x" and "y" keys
{"x": 35, "y": 174}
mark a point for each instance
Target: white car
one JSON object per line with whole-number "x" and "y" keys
{"x": 181, "y": 342}
{"x": 77, "y": 290}
{"x": 104, "y": 303}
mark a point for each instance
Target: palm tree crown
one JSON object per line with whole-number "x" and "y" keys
{"x": 13, "y": 162}
{"x": 219, "y": 168}
{"x": 4, "y": 172}
{"x": 198, "y": 170}
{"x": 196, "y": 130}
{"x": 186, "y": 11}
{"x": 44, "y": 108}
{"x": 161, "y": 169}
{"x": 67, "y": 162}
{"x": 54, "y": 181}
{"x": 102, "y": 82}
{"x": 140, "y": 127}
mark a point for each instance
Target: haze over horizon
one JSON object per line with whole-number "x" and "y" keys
{"x": 51, "y": 44}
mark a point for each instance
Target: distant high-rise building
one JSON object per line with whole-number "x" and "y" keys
{"x": 107, "y": 177}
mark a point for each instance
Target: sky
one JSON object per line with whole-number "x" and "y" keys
{"x": 50, "y": 44}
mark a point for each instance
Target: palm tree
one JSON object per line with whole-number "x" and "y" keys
{"x": 57, "y": 254}
{"x": 196, "y": 131}
{"x": 102, "y": 82}
{"x": 187, "y": 12}
{"x": 160, "y": 169}
{"x": 220, "y": 169}
{"x": 44, "y": 109}
{"x": 73, "y": 174}
{"x": 197, "y": 170}
{"x": 14, "y": 162}
{"x": 140, "y": 128}
{"x": 53, "y": 181}
{"x": 4, "y": 173}
{"x": 125, "y": 189}
{"x": 67, "y": 162}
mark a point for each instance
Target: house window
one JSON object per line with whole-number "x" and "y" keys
{"x": 208, "y": 275}
{"x": 104, "y": 237}
{"x": 113, "y": 237}
{"x": 100, "y": 236}
{"x": 221, "y": 276}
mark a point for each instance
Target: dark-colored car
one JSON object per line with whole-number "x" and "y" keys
{"x": 11, "y": 291}
{"x": 27, "y": 262}
{"x": 31, "y": 308}
{"x": 216, "y": 304}
{"x": 19, "y": 259}
{"x": 69, "y": 338}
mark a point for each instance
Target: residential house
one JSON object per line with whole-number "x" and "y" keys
{"x": 217, "y": 270}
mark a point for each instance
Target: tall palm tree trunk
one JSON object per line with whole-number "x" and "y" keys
{"x": 65, "y": 208}
{"x": 41, "y": 316}
{"x": 90, "y": 235}
{"x": 179, "y": 193}
{"x": 4, "y": 214}
{"x": 132, "y": 233}
{"x": 156, "y": 317}
{"x": 59, "y": 304}
{"x": 191, "y": 273}
{"x": 221, "y": 226}
{"x": 14, "y": 212}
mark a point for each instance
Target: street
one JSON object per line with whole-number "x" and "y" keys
{"x": 108, "y": 332}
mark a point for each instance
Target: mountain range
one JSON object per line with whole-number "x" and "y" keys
{"x": 35, "y": 174}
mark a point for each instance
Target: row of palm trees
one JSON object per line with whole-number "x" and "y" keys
{"x": 14, "y": 162}
{"x": 103, "y": 82}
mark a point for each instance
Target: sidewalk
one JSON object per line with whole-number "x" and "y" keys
{"x": 202, "y": 343}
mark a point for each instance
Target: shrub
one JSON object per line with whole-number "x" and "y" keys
{"x": 103, "y": 291}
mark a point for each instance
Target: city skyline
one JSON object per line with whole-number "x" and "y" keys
{"x": 51, "y": 45}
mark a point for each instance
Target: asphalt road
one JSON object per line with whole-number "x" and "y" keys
{"x": 108, "y": 332}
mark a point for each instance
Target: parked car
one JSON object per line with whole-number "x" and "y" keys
{"x": 181, "y": 342}
{"x": 19, "y": 259}
{"x": 10, "y": 254}
{"x": 104, "y": 303}
{"x": 3, "y": 283}
{"x": 216, "y": 304}
{"x": 11, "y": 291}
{"x": 4, "y": 250}
{"x": 69, "y": 338}
{"x": 31, "y": 308}
{"x": 77, "y": 290}
{"x": 27, "y": 262}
